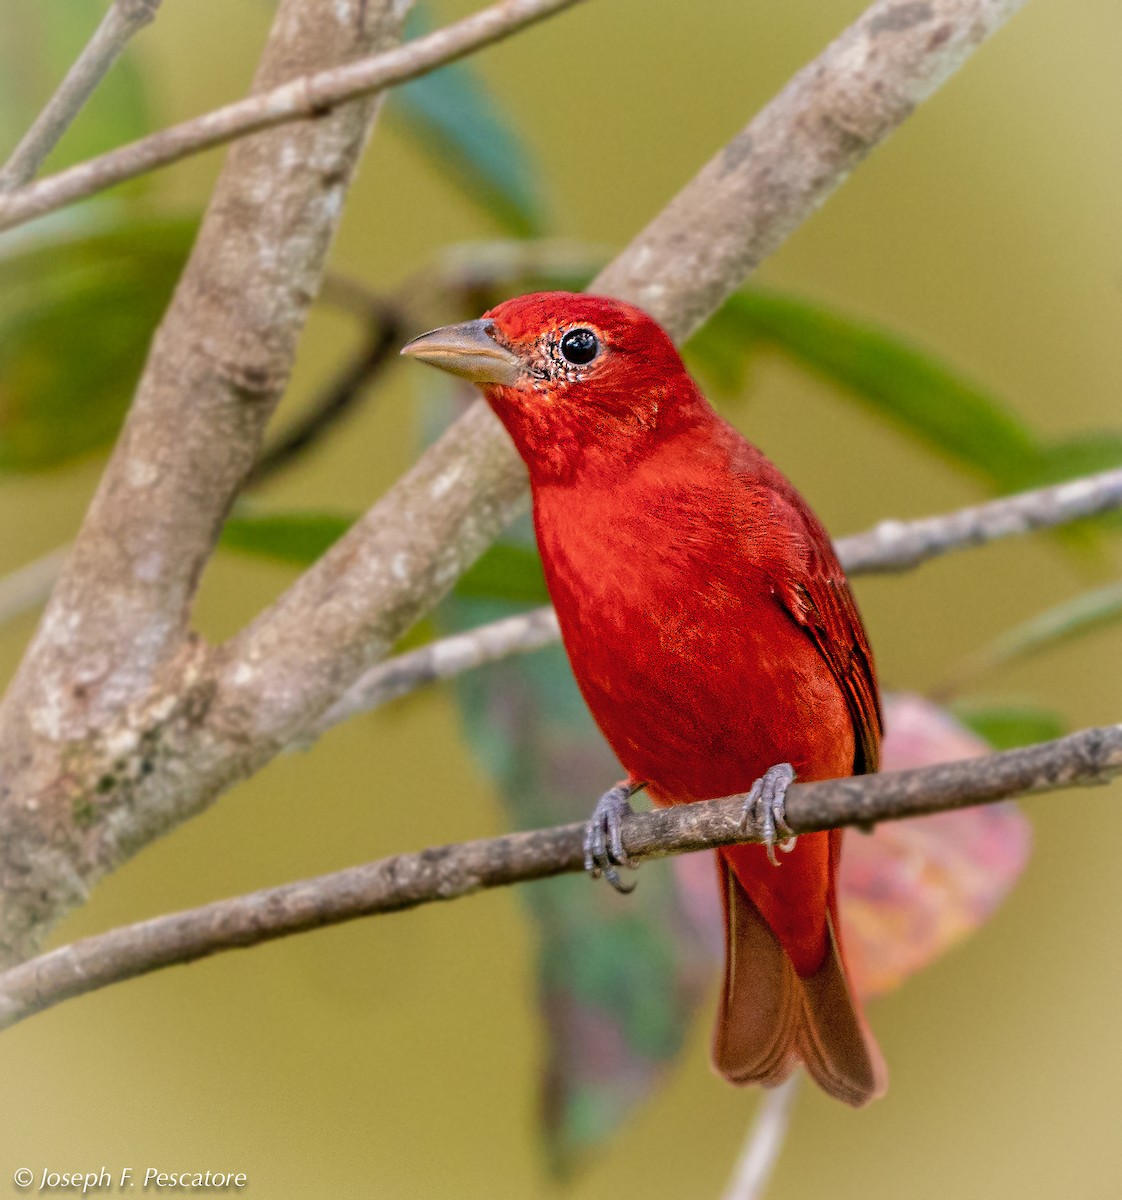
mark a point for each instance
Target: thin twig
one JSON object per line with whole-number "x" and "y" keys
{"x": 444, "y": 658}
{"x": 447, "y": 872}
{"x": 888, "y": 546}
{"x": 124, "y": 19}
{"x": 900, "y": 545}
{"x": 761, "y": 1151}
{"x": 305, "y": 97}
{"x": 30, "y": 585}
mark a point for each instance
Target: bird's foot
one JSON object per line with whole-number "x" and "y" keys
{"x": 764, "y": 809}
{"x": 603, "y": 836}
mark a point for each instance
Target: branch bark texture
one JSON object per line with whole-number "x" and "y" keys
{"x": 447, "y": 872}
{"x": 117, "y": 619}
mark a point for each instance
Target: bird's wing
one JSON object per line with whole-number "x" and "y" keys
{"x": 817, "y": 596}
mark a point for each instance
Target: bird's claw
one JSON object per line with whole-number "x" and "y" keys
{"x": 764, "y": 810}
{"x": 603, "y": 837}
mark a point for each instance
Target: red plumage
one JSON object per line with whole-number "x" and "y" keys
{"x": 713, "y": 634}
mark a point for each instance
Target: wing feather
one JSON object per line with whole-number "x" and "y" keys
{"x": 817, "y": 596}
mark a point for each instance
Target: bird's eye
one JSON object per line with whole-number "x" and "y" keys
{"x": 579, "y": 346}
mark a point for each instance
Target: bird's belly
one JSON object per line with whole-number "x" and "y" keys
{"x": 698, "y": 703}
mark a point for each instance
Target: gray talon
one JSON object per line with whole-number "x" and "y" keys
{"x": 763, "y": 809}
{"x": 603, "y": 837}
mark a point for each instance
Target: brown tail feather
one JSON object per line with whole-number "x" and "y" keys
{"x": 771, "y": 1019}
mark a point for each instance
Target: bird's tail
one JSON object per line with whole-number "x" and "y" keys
{"x": 771, "y": 1018}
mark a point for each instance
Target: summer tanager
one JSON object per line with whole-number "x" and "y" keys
{"x": 713, "y": 635}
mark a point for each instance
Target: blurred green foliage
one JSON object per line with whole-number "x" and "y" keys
{"x": 1007, "y": 725}
{"x": 77, "y": 311}
{"x": 470, "y": 139}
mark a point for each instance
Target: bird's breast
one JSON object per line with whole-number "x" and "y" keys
{"x": 693, "y": 670}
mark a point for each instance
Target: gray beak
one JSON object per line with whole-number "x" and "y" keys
{"x": 467, "y": 350}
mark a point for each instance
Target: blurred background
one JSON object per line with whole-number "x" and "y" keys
{"x": 945, "y": 329}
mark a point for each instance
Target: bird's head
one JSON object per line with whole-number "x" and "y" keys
{"x": 580, "y": 382}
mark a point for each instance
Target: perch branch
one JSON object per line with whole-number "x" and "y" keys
{"x": 124, "y": 19}
{"x": 303, "y": 98}
{"x": 447, "y": 872}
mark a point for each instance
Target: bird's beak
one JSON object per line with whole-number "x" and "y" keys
{"x": 467, "y": 350}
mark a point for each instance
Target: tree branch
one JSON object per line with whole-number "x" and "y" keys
{"x": 447, "y": 872}
{"x": 888, "y": 546}
{"x": 117, "y": 619}
{"x": 307, "y": 96}
{"x": 124, "y": 19}
{"x": 901, "y": 545}
{"x": 457, "y": 270}
{"x": 442, "y": 659}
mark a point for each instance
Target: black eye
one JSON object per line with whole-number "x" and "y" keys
{"x": 579, "y": 346}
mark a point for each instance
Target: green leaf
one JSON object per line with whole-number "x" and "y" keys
{"x": 1007, "y": 726}
{"x": 1074, "y": 618}
{"x": 40, "y": 43}
{"x": 1084, "y": 455}
{"x": 505, "y": 572}
{"x": 77, "y": 312}
{"x": 912, "y": 389}
{"x": 298, "y": 538}
{"x": 465, "y": 133}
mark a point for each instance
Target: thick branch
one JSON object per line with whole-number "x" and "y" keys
{"x": 456, "y": 270}
{"x": 117, "y": 618}
{"x": 888, "y": 546}
{"x": 307, "y": 96}
{"x": 447, "y": 872}
{"x": 124, "y": 19}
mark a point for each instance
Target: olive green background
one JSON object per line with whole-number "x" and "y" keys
{"x": 397, "y": 1057}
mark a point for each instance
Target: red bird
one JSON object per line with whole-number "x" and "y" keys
{"x": 713, "y": 635}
